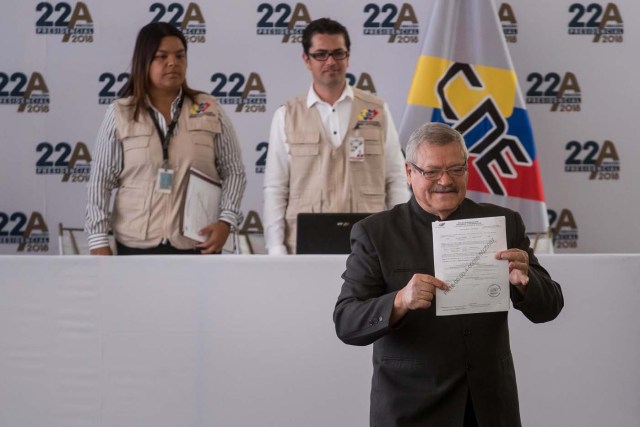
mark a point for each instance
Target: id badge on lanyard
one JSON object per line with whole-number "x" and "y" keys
{"x": 164, "y": 180}
{"x": 356, "y": 147}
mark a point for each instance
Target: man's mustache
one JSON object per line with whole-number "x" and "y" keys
{"x": 444, "y": 189}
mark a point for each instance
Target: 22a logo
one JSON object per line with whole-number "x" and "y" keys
{"x": 113, "y": 86}
{"x": 509, "y": 22}
{"x": 506, "y": 14}
{"x": 70, "y": 162}
{"x": 364, "y": 82}
{"x": 74, "y": 22}
{"x": 603, "y": 162}
{"x": 248, "y": 94}
{"x": 564, "y": 228}
{"x": 283, "y": 20}
{"x": 401, "y": 25}
{"x": 24, "y": 92}
{"x": 605, "y": 24}
{"x": 252, "y": 223}
{"x": 261, "y": 163}
{"x": 191, "y": 14}
{"x": 552, "y": 88}
{"x": 29, "y": 231}
{"x": 190, "y": 19}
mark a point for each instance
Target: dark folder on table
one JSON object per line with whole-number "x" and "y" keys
{"x": 325, "y": 233}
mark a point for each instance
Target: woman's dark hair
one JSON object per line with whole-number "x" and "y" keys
{"x": 147, "y": 44}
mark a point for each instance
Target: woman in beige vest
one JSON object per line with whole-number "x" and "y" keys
{"x": 150, "y": 140}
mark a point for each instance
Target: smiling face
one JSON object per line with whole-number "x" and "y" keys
{"x": 168, "y": 68}
{"x": 329, "y": 74}
{"x": 442, "y": 196}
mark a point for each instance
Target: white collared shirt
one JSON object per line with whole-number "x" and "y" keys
{"x": 335, "y": 119}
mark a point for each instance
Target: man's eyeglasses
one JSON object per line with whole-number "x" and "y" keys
{"x": 436, "y": 174}
{"x": 322, "y": 56}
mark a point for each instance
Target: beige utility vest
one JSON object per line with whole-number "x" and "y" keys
{"x": 143, "y": 217}
{"x": 322, "y": 178}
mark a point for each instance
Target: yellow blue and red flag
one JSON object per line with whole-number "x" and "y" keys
{"x": 465, "y": 78}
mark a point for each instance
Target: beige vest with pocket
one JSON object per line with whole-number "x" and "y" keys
{"x": 322, "y": 178}
{"x": 142, "y": 216}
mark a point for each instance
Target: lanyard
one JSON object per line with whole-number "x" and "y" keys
{"x": 165, "y": 138}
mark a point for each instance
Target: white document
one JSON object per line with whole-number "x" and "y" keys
{"x": 201, "y": 204}
{"x": 464, "y": 256}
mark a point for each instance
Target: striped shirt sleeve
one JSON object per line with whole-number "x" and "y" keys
{"x": 105, "y": 170}
{"x": 231, "y": 170}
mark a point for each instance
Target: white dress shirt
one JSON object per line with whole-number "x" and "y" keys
{"x": 335, "y": 119}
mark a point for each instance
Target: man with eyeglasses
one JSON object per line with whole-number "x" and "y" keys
{"x": 447, "y": 371}
{"x": 334, "y": 149}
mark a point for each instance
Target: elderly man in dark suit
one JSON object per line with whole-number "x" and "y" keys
{"x": 428, "y": 371}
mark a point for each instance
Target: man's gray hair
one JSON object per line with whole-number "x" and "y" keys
{"x": 433, "y": 134}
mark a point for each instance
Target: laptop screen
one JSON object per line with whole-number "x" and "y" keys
{"x": 325, "y": 233}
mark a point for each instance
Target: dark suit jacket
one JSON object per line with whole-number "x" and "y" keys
{"x": 424, "y": 366}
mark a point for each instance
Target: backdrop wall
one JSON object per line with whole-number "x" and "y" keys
{"x": 63, "y": 62}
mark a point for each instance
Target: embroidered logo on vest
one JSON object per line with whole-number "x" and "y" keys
{"x": 199, "y": 109}
{"x": 367, "y": 114}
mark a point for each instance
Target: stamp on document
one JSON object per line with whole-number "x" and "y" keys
{"x": 494, "y": 290}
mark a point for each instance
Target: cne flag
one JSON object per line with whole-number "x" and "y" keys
{"x": 465, "y": 78}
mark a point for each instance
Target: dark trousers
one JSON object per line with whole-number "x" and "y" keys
{"x": 470, "y": 414}
{"x": 161, "y": 249}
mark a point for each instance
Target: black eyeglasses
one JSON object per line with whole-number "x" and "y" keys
{"x": 322, "y": 56}
{"x": 436, "y": 174}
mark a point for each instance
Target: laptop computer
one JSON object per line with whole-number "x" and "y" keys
{"x": 325, "y": 233}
